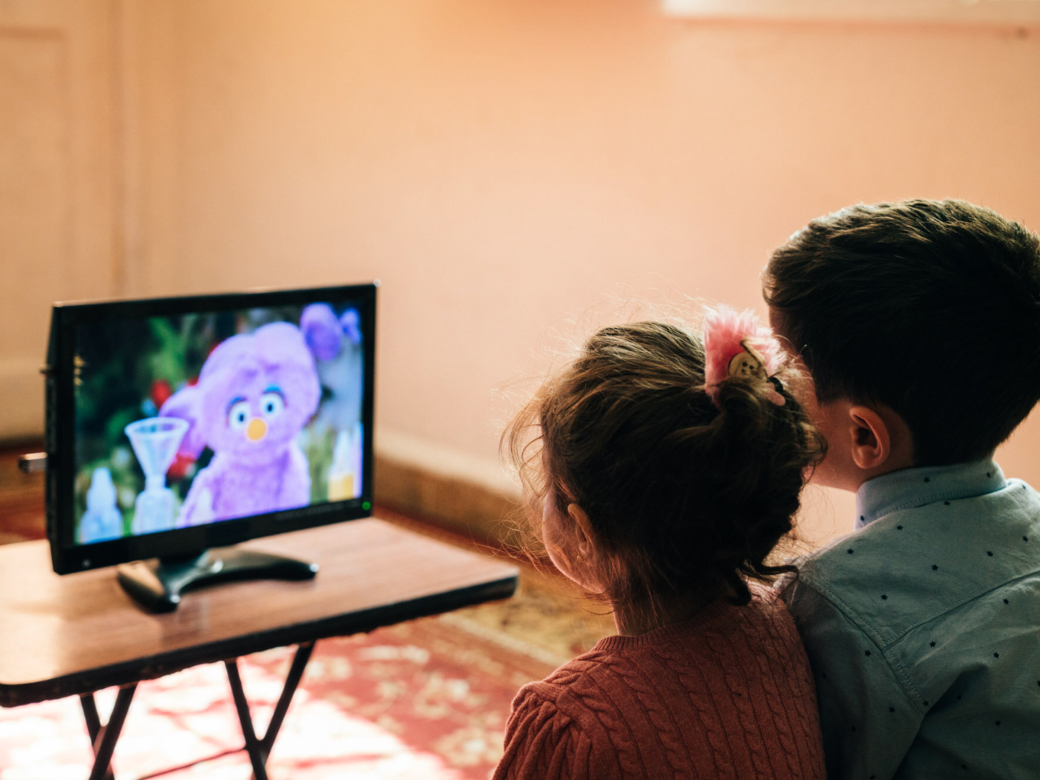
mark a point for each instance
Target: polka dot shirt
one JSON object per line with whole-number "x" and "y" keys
{"x": 923, "y": 628}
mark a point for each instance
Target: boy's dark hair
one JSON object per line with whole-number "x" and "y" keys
{"x": 683, "y": 499}
{"x": 931, "y": 308}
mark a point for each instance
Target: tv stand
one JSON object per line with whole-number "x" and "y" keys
{"x": 157, "y": 585}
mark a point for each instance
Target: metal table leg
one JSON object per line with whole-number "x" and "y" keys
{"x": 260, "y": 748}
{"x": 103, "y": 738}
{"x": 90, "y": 714}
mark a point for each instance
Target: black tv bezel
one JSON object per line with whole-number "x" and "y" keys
{"x": 67, "y": 556}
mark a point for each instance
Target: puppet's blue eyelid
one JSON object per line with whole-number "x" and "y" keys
{"x": 272, "y": 403}
{"x": 237, "y": 399}
{"x": 238, "y": 413}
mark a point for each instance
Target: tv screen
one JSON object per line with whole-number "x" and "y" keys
{"x": 179, "y": 424}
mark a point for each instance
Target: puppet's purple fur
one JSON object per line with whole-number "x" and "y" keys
{"x": 255, "y": 393}
{"x": 322, "y": 330}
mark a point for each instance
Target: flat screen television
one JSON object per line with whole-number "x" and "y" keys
{"x": 178, "y": 425}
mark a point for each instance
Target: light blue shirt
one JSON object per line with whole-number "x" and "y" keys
{"x": 923, "y": 628}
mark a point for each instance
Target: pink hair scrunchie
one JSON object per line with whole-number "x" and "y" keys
{"x": 737, "y": 345}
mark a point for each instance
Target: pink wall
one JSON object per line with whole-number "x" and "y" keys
{"x": 504, "y": 166}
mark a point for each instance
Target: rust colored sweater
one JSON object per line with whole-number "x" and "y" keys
{"x": 727, "y": 694}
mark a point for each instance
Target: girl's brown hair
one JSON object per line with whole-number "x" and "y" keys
{"x": 684, "y": 499}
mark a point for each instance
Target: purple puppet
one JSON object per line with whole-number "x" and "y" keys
{"x": 255, "y": 393}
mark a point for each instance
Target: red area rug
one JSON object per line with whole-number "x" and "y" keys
{"x": 426, "y": 699}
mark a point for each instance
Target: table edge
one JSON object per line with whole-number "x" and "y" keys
{"x": 162, "y": 664}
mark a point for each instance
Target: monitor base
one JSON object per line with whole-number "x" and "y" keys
{"x": 157, "y": 585}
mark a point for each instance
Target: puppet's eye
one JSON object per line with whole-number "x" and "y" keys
{"x": 271, "y": 403}
{"x": 238, "y": 415}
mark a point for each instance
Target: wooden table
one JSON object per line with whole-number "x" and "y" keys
{"x": 73, "y": 635}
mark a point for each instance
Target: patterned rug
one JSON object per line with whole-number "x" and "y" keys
{"x": 427, "y": 699}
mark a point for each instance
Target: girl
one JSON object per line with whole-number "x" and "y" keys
{"x": 667, "y": 468}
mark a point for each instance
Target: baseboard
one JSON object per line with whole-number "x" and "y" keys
{"x": 454, "y": 503}
{"x": 462, "y": 493}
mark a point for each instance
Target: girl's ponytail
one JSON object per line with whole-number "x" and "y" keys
{"x": 760, "y": 450}
{"x": 689, "y": 476}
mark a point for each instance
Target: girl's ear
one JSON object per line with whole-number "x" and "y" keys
{"x": 583, "y": 528}
{"x": 585, "y": 561}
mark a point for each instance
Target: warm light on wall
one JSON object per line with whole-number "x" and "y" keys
{"x": 1013, "y": 12}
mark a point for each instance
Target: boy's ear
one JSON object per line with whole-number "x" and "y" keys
{"x": 870, "y": 438}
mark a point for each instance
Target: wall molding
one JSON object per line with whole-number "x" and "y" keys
{"x": 987, "y": 12}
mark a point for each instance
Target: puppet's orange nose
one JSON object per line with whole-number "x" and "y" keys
{"x": 256, "y": 430}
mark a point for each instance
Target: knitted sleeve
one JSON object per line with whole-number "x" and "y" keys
{"x": 542, "y": 742}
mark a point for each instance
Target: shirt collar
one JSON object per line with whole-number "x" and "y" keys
{"x": 910, "y": 488}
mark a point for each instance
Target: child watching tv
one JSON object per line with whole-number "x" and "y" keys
{"x": 664, "y": 470}
{"x": 919, "y": 323}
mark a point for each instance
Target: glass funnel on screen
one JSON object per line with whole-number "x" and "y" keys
{"x": 155, "y": 441}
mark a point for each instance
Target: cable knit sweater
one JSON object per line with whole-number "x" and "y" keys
{"x": 727, "y": 694}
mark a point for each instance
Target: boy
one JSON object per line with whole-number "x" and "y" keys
{"x": 919, "y": 323}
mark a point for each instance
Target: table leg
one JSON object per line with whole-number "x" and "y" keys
{"x": 103, "y": 738}
{"x": 90, "y": 715}
{"x": 259, "y": 749}
{"x": 303, "y": 655}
